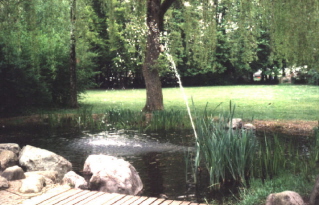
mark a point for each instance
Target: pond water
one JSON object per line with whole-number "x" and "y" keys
{"x": 159, "y": 159}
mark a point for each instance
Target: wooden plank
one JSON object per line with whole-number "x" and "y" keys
{"x": 176, "y": 203}
{"x": 64, "y": 196}
{"x": 83, "y": 197}
{"x": 38, "y": 199}
{"x": 126, "y": 200}
{"x": 76, "y": 198}
{"x": 114, "y": 199}
{"x": 158, "y": 201}
{"x": 186, "y": 203}
{"x": 60, "y": 197}
{"x": 139, "y": 200}
{"x": 167, "y": 202}
{"x": 103, "y": 199}
{"x": 95, "y": 194}
{"x": 130, "y": 201}
{"x": 148, "y": 201}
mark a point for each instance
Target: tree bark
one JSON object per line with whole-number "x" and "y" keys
{"x": 155, "y": 15}
{"x": 73, "y": 102}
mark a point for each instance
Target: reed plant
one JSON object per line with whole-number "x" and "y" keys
{"x": 227, "y": 154}
{"x": 270, "y": 158}
{"x": 147, "y": 122}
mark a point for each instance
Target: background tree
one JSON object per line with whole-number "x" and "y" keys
{"x": 73, "y": 102}
{"x": 34, "y": 53}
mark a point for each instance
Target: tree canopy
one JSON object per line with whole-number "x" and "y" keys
{"x": 122, "y": 43}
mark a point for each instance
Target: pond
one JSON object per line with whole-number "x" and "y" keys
{"x": 159, "y": 158}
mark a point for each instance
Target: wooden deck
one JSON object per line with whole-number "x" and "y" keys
{"x": 63, "y": 196}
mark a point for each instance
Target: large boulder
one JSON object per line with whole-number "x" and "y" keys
{"x": 13, "y": 173}
{"x": 112, "y": 175}
{"x": 15, "y": 148}
{"x": 7, "y": 159}
{"x": 284, "y": 198}
{"x": 314, "y": 197}
{"x": 36, "y": 159}
{"x": 74, "y": 180}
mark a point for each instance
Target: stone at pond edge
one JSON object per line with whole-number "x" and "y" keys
{"x": 36, "y": 159}
{"x": 13, "y": 173}
{"x": 32, "y": 184}
{"x": 7, "y": 159}
{"x": 236, "y": 123}
{"x": 4, "y": 184}
{"x": 112, "y": 175}
{"x": 285, "y": 198}
{"x": 74, "y": 180}
{"x": 249, "y": 126}
{"x": 15, "y": 148}
{"x": 52, "y": 175}
{"x": 314, "y": 197}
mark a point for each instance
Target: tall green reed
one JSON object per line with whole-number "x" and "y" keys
{"x": 226, "y": 153}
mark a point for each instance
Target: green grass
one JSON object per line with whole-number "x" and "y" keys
{"x": 257, "y": 101}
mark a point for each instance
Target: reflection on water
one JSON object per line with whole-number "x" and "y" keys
{"x": 160, "y": 163}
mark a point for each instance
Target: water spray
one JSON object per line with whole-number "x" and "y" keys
{"x": 170, "y": 58}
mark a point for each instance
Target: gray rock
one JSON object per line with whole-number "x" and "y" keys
{"x": 314, "y": 197}
{"x": 32, "y": 184}
{"x": 7, "y": 159}
{"x": 249, "y": 126}
{"x": 4, "y": 184}
{"x": 52, "y": 175}
{"x": 236, "y": 123}
{"x": 36, "y": 159}
{"x": 285, "y": 198}
{"x": 74, "y": 180}
{"x": 13, "y": 173}
{"x": 15, "y": 148}
{"x": 113, "y": 175}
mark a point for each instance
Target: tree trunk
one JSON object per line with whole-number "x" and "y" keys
{"x": 73, "y": 102}
{"x": 155, "y": 15}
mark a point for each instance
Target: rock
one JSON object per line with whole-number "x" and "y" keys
{"x": 249, "y": 126}
{"x": 52, "y": 175}
{"x": 15, "y": 148}
{"x": 236, "y": 123}
{"x": 4, "y": 184}
{"x": 32, "y": 184}
{"x": 7, "y": 159}
{"x": 113, "y": 175}
{"x": 13, "y": 173}
{"x": 36, "y": 159}
{"x": 314, "y": 197}
{"x": 75, "y": 180}
{"x": 284, "y": 198}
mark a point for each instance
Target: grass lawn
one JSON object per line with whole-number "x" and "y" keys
{"x": 252, "y": 101}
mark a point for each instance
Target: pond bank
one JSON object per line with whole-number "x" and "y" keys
{"x": 288, "y": 127}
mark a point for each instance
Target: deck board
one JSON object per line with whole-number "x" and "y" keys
{"x": 67, "y": 196}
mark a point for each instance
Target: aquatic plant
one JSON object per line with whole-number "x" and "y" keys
{"x": 226, "y": 153}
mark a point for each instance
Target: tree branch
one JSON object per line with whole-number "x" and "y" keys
{"x": 164, "y": 7}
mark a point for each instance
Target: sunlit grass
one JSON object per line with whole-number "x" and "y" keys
{"x": 256, "y": 101}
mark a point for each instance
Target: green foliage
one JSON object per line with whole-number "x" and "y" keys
{"x": 34, "y": 53}
{"x": 226, "y": 153}
{"x": 258, "y": 190}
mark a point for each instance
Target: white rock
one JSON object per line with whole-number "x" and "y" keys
{"x": 113, "y": 175}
